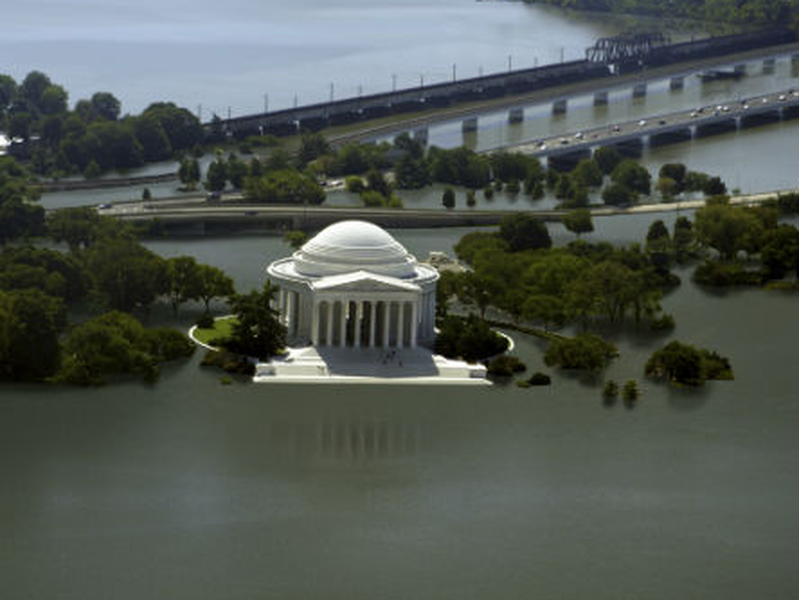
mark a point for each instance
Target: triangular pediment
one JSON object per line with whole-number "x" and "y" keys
{"x": 363, "y": 281}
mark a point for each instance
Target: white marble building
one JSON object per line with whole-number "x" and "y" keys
{"x": 355, "y": 286}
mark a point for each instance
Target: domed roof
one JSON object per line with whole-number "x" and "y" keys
{"x": 349, "y": 246}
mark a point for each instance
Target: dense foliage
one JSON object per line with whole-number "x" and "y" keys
{"x": 469, "y": 338}
{"x": 686, "y": 365}
{"x": 91, "y": 137}
{"x": 585, "y": 351}
{"x": 257, "y": 330}
{"x": 731, "y": 11}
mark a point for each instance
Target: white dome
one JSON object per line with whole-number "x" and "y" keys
{"x": 349, "y": 246}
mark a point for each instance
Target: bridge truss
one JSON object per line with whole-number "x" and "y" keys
{"x": 627, "y": 50}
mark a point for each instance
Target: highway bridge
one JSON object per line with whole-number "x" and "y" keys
{"x": 565, "y": 150}
{"x": 599, "y": 70}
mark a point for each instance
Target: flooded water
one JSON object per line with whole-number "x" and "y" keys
{"x": 194, "y": 489}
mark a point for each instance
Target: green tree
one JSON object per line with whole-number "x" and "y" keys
{"x": 524, "y": 232}
{"x": 578, "y": 221}
{"x": 106, "y": 106}
{"x": 182, "y": 128}
{"x": 728, "y": 229}
{"x": 257, "y": 330}
{"x": 284, "y": 187}
{"x": 152, "y": 138}
{"x": 588, "y": 173}
{"x": 676, "y": 172}
{"x": 53, "y": 100}
{"x": 214, "y": 283}
{"x": 586, "y": 352}
{"x": 295, "y": 238}
{"x": 20, "y": 217}
{"x": 30, "y": 324}
{"x": 125, "y": 275}
{"x": 33, "y": 86}
{"x": 632, "y": 176}
{"x": 216, "y": 176}
{"x": 312, "y": 146}
{"x": 607, "y": 158}
{"x": 616, "y": 194}
{"x": 677, "y": 362}
{"x": 184, "y": 281}
{"x": 77, "y": 226}
{"x": 116, "y": 343}
{"x": 448, "y": 198}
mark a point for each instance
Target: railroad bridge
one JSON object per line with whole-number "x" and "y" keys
{"x": 607, "y": 57}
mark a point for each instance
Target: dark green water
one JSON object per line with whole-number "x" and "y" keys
{"x": 192, "y": 489}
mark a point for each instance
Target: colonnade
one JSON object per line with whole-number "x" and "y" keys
{"x": 345, "y": 322}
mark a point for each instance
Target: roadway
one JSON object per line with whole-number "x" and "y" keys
{"x": 178, "y": 214}
{"x": 689, "y": 120}
{"x": 397, "y": 124}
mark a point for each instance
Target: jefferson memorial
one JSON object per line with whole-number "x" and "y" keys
{"x": 358, "y": 307}
{"x": 353, "y": 285}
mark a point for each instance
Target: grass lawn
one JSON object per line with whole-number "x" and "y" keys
{"x": 222, "y": 329}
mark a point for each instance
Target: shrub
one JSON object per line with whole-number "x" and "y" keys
{"x": 630, "y": 391}
{"x": 539, "y": 378}
{"x": 585, "y": 351}
{"x": 663, "y": 323}
{"x": 505, "y": 366}
{"x": 611, "y": 390}
{"x": 469, "y": 338}
{"x": 354, "y": 184}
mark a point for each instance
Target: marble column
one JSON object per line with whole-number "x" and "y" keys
{"x": 356, "y": 330}
{"x": 386, "y": 323}
{"x": 372, "y": 322}
{"x": 401, "y": 325}
{"x": 329, "y": 339}
{"x": 345, "y": 307}
{"x": 315, "y": 318}
{"x": 414, "y": 324}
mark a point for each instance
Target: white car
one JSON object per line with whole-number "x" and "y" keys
{"x": 642, "y": 123}
{"x": 782, "y": 97}
{"x": 578, "y": 135}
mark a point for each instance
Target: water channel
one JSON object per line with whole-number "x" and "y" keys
{"x": 193, "y": 489}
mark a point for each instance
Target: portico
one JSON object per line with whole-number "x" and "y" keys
{"x": 354, "y": 286}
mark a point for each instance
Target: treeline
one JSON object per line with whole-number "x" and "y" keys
{"x": 751, "y": 246}
{"x": 750, "y": 12}
{"x": 516, "y": 272}
{"x": 105, "y": 269}
{"x": 92, "y": 136}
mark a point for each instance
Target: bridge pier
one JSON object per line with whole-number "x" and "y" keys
{"x": 790, "y": 112}
{"x": 516, "y": 115}
{"x": 601, "y": 98}
{"x": 769, "y": 64}
{"x": 717, "y": 127}
{"x": 631, "y": 148}
{"x": 421, "y": 135}
{"x": 559, "y": 106}
{"x": 670, "y": 137}
{"x": 639, "y": 90}
{"x": 739, "y": 69}
{"x": 759, "y": 118}
{"x": 676, "y": 83}
{"x": 469, "y": 125}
